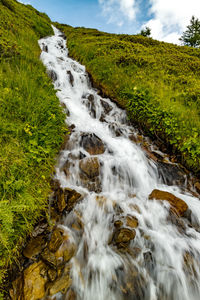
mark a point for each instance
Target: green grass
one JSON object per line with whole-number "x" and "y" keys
{"x": 32, "y": 126}
{"x": 158, "y": 83}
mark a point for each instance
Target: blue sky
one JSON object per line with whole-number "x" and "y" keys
{"x": 167, "y": 18}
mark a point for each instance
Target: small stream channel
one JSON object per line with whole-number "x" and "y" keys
{"x": 129, "y": 245}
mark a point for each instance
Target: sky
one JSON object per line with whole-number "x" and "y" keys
{"x": 166, "y": 18}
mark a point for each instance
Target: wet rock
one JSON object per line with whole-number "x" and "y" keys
{"x": 60, "y": 196}
{"x": 66, "y": 251}
{"x": 135, "y": 207}
{"x": 71, "y": 78}
{"x": 131, "y": 221}
{"x": 52, "y": 74}
{"x": 197, "y": 187}
{"x": 56, "y": 240}
{"x": 137, "y": 139}
{"x": 189, "y": 264}
{"x": 178, "y": 206}
{"x": 34, "y": 247}
{"x": 66, "y": 168}
{"x": 118, "y": 223}
{"x": 92, "y": 144}
{"x": 171, "y": 174}
{"x": 149, "y": 261}
{"x": 90, "y": 167}
{"x": 62, "y": 35}
{"x": 90, "y": 97}
{"x": 44, "y": 48}
{"x": 32, "y": 285}
{"x": 107, "y": 107}
{"x": 123, "y": 236}
{"x": 52, "y": 274}
{"x": 72, "y": 198}
{"x": 178, "y": 222}
{"x": 150, "y": 154}
{"x": 101, "y": 200}
{"x": 49, "y": 258}
{"x": 61, "y": 284}
{"x": 70, "y": 295}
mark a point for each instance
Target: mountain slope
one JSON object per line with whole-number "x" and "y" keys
{"x": 31, "y": 125}
{"x": 158, "y": 83}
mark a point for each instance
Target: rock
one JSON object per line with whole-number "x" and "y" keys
{"x": 71, "y": 78}
{"x": 90, "y": 97}
{"x": 56, "y": 240}
{"x": 149, "y": 261}
{"x": 92, "y": 144}
{"x": 34, "y": 247}
{"x": 60, "y": 199}
{"x": 178, "y": 206}
{"x": 90, "y": 167}
{"x": 66, "y": 168}
{"x": 32, "y": 285}
{"x": 131, "y": 221}
{"x": 61, "y": 284}
{"x": 49, "y": 258}
{"x": 70, "y": 295}
{"x": 197, "y": 187}
{"x": 178, "y": 222}
{"x": 118, "y": 223}
{"x": 107, "y": 107}
{"x": 138, "y": 139}
{"x": 189, "y": 264}
{"x": 135, "y": 207}
{"x": 39, "y": 229}
{"x": 66, "y": 251}
{"x": 123, "y": 236}
{"x": 44, "y": 48}
{"x": 52, "y": 274}
{"x": 72, "y": 198}
{"x": 171, "y": 174}
{"x": 52, "y": 74}
{"x": 101, "y": 200}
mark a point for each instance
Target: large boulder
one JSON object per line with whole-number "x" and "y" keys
{"x": 92, "y": 144}
{"x": 32, "y": 285}
{"x": 123, "y": 236}
{"x": 177, "y": 205}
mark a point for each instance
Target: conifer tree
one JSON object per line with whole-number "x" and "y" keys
{"x": 191, "y": 37}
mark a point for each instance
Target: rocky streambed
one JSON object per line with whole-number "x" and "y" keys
{"x": 124, "y": 216}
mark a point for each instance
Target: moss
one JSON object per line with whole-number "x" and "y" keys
{"x": 158, "y": 83}
{"x": 32, "y": 126}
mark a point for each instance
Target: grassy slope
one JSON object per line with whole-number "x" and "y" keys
{"x": 158, "y": 83}
{"x": 31, "y": 125}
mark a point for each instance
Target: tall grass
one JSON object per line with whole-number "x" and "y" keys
{"x": 31, "y": 126}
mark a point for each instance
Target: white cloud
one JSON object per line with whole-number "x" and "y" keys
{"x": 119, "y": 11}
{"x": 170, "y": 18}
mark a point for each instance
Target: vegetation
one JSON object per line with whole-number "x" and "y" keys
{"x": 191, "y": 37}
{"x": 158, "y": 83}
{"x": 31, "y": 126}
{"x": 146, "y": 32}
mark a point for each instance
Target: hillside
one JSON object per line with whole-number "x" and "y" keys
{"x": 158, "y": 83}
{"x": 31, "y": 125}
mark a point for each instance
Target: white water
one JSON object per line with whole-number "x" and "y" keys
{"x": 99, "y": 270}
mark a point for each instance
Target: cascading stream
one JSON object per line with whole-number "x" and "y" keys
{"x": 155, "y": 260}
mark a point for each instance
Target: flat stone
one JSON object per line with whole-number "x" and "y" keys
{"x": 177, "y": 205}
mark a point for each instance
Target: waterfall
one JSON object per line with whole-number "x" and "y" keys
{"x": 129, "y": 247}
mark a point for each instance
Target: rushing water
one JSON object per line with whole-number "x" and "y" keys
{"x": 162, "y": 263}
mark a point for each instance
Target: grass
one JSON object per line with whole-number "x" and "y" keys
{"x": 32, "y": 126}
{"x": 158, "y": 83}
